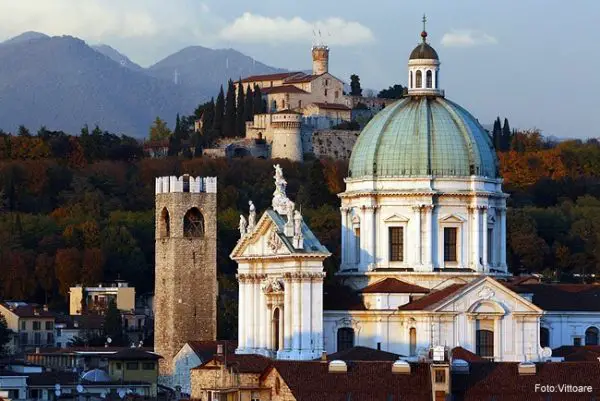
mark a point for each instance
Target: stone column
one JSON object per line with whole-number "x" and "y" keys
{"x": 502, "y": 261}
{"x": 428, "y": 245}
{"x": 287, "y": 313}
{"x": 418, "y": 235}
{"x": 317, "y": 312}
{"x": 305, "y": 313}
{"x": 476, "y": 236}
{"x": 262, "y": 314}
{"x": 296, "y": 322}
{"x": 484, "y": 238}
{"x": 372, "y": 229}
{"x": 345, "y": 230}
{"x": 241, "y": 315}
{"x": 249, "y": 311}
{"x": 269, "y": 325}
{"x": 281, "y": 329}
{"x": 256, "y": 311}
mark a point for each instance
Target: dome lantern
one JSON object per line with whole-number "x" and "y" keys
{"x": 423, "y": 69}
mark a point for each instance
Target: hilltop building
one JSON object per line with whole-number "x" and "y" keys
{"x": 423, "y": 259}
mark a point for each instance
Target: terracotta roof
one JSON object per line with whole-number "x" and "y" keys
{"x": 393, "y": 286}
{"x": 271, "y": 77}
{"x": 332, "y": 106}
{"x": 207, "y": 349}
{"x": 363, "y": 354}
{"x": 583, "y": 355}
{"x": 287, "y": 111}
{"x": 28, "y": 310}
{"x": 562, "y": 297}
{"x": 567, "y": 350}
{"x": 134, "y": 354}
{"x": 244, "y": 363}
{"x": 433, "y": 298}
{"x": 282, "y": 89}
{"x": 301, "y": 78}
{"x": 466, "y": 355}
{"x": 502, "y": 381}
{"x": 368, "y": 381}
{"x": 528, "y": 279}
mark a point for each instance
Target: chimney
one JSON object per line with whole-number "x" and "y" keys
{"x": 338, "y": 366}
{"x": 219, "y": 349}
{"x": 324, "y": 356}
{"x": 45, "y": 308}
{"x": 401, "y": 367}
{"x": 527, "y": 368}
{"x": 37, "y": 350}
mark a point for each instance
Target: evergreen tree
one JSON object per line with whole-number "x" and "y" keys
{"x": 506, "y": 135}
{"x": 5, "y": 335}
{"x": 159, "y": 130}
{"x": 229, "y": 120}
{"x": 23, "y": 131}
{"x": 355, "y": 89}
{"x": 497, "y": 135}
{"x": 258, "y": 105}
{"x": 240, "y": 112}
{"x": 175, "y": 139}
{"x": 249, "y": 106}
{"x": 219, "y": 112}
{"x": 113, "y": 323}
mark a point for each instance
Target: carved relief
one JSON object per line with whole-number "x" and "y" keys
{"x": 485, "y": 293}
{"x": 274, "y": 242}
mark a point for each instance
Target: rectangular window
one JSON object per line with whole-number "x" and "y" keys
{"x": 132, "y": 365}
{"x": 37, "y": 325}
{"x": 50, "y": 338}
{"x": 148, "y": 366}
{"x": 577, "y": 341}
{"x": 49, "y": 325}
{"x": 440, "y": 376}
{"x": 325, "y": 92}
{"x": 118, "y": 365}
{"x": 337, "y": 94}
{"x": 450, "y": 244}
{"x": 58, "y": 332}
{"x": 357, "y": 244}
{"x": 24, "y": 339}
{"x": 23, "y": 325}
{"x": 37, "y": 338}
{"x": 396, "y": 239}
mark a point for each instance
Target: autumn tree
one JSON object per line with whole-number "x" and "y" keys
{"x": 68, "y": 269}
{"x": 159, "y": 130}
{"x": 92, "y": 269}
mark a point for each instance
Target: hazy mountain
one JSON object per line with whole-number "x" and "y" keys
{"x": 206, "y": 69}
{"x": 63, "y": 83}
{"x": 120, "y": 58}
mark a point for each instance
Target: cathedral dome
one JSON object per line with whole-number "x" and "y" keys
{"x": 423, "y": 136}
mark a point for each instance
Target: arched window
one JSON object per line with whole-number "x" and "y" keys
{"x": 273, "y": 106}
{"x": 193, "y": 224}
{"x": 419, "y": 79}
{"x": 429, "y": 79}
{"x": 591, "y": 336}
{"x": 544, "y": 337}
{"x": 275, "y": 330}
{"x": 485, "y": 344}
{"x": 165, "y": 223}
{"x": 345, "y": 338}
{"x": 282, "y": 104}
{"x": 412, "y": 334}
{"x": 411, "y": 80}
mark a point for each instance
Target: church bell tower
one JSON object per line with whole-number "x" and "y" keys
{"x": 186, "y": 264}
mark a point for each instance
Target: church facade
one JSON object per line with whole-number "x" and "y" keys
{"x": 423, "y": 260}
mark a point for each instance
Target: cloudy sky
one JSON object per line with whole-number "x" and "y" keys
{"x": 533, "y": 61}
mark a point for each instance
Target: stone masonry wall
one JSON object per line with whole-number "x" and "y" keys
{"x": 336, "y": 144}
{"x": 186, "y": 276}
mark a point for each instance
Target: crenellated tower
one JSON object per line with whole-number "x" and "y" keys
{"x": 186, "y": 264}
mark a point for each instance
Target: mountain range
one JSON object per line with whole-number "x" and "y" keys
{"x": 63, "y": 83}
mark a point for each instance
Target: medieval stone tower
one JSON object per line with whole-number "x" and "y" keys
{"x": 287, "y": 135}
{"x": 320, "y": 56}
{"x": 186, "y": 264}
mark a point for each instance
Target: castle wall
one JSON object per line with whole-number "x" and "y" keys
{"x": 186, "y": 268}
{"x": 336, "y": 144}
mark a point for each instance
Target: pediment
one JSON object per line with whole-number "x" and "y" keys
{"x": 264, "y": 241}
{"x": 487, "y": 296}
{"x": 452, "y": 218}
{"x": 396, "y": 218}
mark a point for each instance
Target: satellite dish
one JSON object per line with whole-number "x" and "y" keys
{"x": 57, "y": 393}
{"x": 121, "y": 393}
{"x": 103, "y": 394}
{"x": 109, "y": 340}
{"x": 79, "y": 388}
{"x": 57, "y": 386}
{"x": 546, "y": 352}
{"x": 129, "y": 391}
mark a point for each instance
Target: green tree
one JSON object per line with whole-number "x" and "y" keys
{"x": 249, "y": 106}
{"x": 497, "y": 135}
{"x": 506, "y": 135}
{"x": 23, "y": 131}
{"x": 258, "y": 103}
{"x": 393, "y": 92}
{"x": 355, "y": 89}
{"x": 159, "y": 130}
{"x": 5, "y": 335}
{"x": 219, "y": 114}
{"x": 229, "y": 120}
{"x": 113, "y": 324}
{"x": 240, "y": 115}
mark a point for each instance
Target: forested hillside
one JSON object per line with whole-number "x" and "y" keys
{"x": 79, "y": 209}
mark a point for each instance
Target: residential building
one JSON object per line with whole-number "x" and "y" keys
{"x": 95, "y": 300}
{"x": 135, "y": 365}
{"x": 32, "y": 325}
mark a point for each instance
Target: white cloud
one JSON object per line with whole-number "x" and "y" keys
{"x": 467, "y": 38}
{"x": 252, "y": 28}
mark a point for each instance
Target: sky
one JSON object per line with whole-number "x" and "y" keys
{"x": 532, "y": 61}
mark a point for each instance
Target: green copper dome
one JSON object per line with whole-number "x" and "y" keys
{"x": 423, "y": 136}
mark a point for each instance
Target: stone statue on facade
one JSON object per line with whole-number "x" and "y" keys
{"x": 243, "y": 225}
{"x": 297, "y": 223}
{"x": 251, "y": 216}
{"x": 280, "y": 200}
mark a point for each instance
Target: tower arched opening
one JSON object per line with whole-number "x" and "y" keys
{"x": 193, "y": 224}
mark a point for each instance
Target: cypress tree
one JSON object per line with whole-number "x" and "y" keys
{"x": 249, "y": 106}
{"x": 240, "y": 117}
{"x": 497, "y": 134}
{"x": 229, "y": 121}
{"x": 175, "y": 139}
{"x": 258, "y": 101}
{"x": 506, "y": 135}
{"x": 219, "y": 111}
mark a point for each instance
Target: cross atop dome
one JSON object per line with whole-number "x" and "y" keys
{"x": 423, "y": 68}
